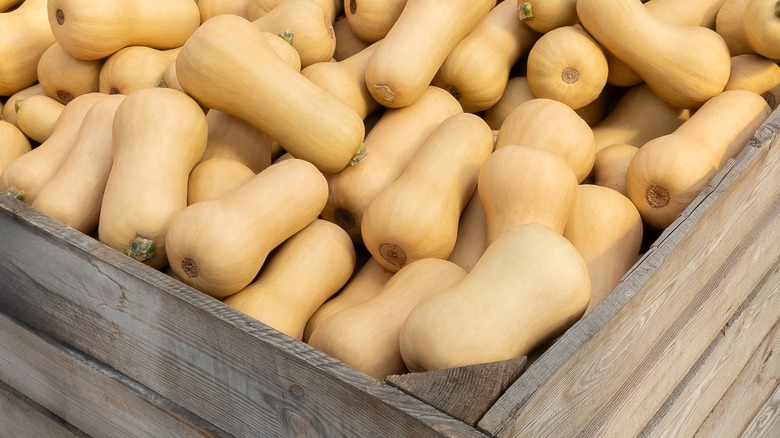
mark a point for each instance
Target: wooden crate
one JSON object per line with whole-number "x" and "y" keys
{"x": 682, "y": 347}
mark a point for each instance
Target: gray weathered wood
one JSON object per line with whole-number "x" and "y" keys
{"x": 612, "y": 371}
{"x": 21, "y": 417}
{"x": 766, "y": 423}
{"x": 223, "y": 366}
{"x": 86, "y": 394}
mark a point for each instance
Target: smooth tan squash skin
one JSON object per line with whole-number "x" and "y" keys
{"x": 528, "y": 287}
{"x": 757, "y": 74}
{"x": 147, "y": 185}
{"x": 64, "y": 77}
{"x": 135, "y": 67}
{"x": 363, "y": 285}
{"x": 259, "y": 8}
{"x": 219, "y": 246}
{"x": 611, "y": 166}
{"x": 405, "y": 63}
{"x": 306, "y": 270}
{"x": 232, "y": 138}
{"x": 347, "y": 43}
{"x": 390, "y": 146}
{"x": 668, "y": 172}
{"x": 26, "y": 36}
{"x": 729, "y": 25}
{"x": 24, "y": 177}
{"x": 477, "y": 69}
{"x": 9, "y": 109}
{"x": 215, "y": 177}
{"x": 13, "y": 144}
{"x": 522, "y": 184}
{"x": 370, "y": 20}
{"x": 472, "y": 235}
{"x": 538, "y": 123}
{"x": 210, "y": 8}
{"x": 607, "y": 230}
{"x": 37, "y": 116}
{"x": 92, "y": 30}
{"x": 684, "y": 65}
{"x": 217, "y": 66}
{"x": 74, "y": 194}
{"x": 8, "y": 4}
{"x": 365, "y": 336}
{"x": 284, "y": 49}
{"x": 761, "y": 25}
{"x": 416, "y": 216}
{"x": 546, "y": 15}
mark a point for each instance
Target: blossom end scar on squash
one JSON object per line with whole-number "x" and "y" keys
{"x": 657, "y": 196}
{"x": 384, "y": 92}
{"x": 393, "y": 254}
{"x": 60, "y": 17}
{"x": 190, "y": 267}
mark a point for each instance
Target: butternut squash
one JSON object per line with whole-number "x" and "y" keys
{"x": 5, "y": 5}
{"x": 347, "y": 43}
{"x": 757, "y": 74}
{"x": 546, "y": 15}
{"x": 215, "y": 177}
{"x": 729, "y": 25}
{"x": 37, "y": 116}
{"x": 13, "y": 144}
{"x": 390, "y": 146}
{"x": 567, "y": 65}
{"x": 611, "y": 165}
{"x": 218, "y": 246}
{"x": 364, "y": 284}
{"x": 660, "y": 52}
{"x": 345, "y": 79}
{"x": 416, "y": 216}
{"x": 472, "y": 235}
{"x": 232, "y": 138}
{"x": 284, "y": 49}
{"x": 306, "y": 270}
{"x": 523, "y": 184}
{"x": 537, "y": 123}
{"x": 528, "y": 287}
{"x": 370, "y": 20}
{"x": 74, "y": 194}
{"x": 477, "y": 69}
{"x": 147, "y": 184}
{"x": 26, "y": 36}
{"x": 93, "y": 30}
{"x": 218, "y": 66}
{"x": 761, "y": 25}
{"x": 210, "y": 8}
{"x": 259, "y": 8}
{"x": 24, "y": 177}
{"x": 366, "y": 335}
{"x": 64, "y": 77}
{"x": 638, "y": 117}
{"x": 668, "y": 172}
{"x": 607, "y": 230}
{"x": 9, "y": 109}
{"x": 169, "y": 79}
{"x": 405, "y": 64}
{"x": 135, "y": 67}
{"x": 305, "y": 25}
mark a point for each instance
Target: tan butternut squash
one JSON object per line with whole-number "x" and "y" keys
{"x": 215, "y": 177}
{"x": 9, "y": 109}
{"x": 306, "y": 270}
{"x": 366, "y": 335}
{"x": 305, "y": 25}
{"x": 218, "y": 66}
{"x": 472, "y": 235}
{"x": 345, "y": 79}
{"x": 757, "y": 74}
{"x": 147, "y": 184}
{"x": 284, "y": 49}
{"x": 515, "y": 93}
{"x": 567, "y": 65}
{"x": 416, "y": 216}
{"x": 219, "y": 246}
{"x": 524, "y": 184}
{"x": 729, "y": 25}
{"x": 611, "y": 165}
{"x": 24, "y": 177}
{"x": 370, "y": 20}
{"x": 761, "y": 25}
{"x": 607, "y": 230}
{"x": 37, "y": 116}
{"x": 639, "y": 116}
{"x": 546, "y": 15}
{"x": 477, "y": 69}
{"x": 169, "y": 79}
{"x": 74, "y": 194}
{"x": 538, "y": 123}
{"x": 364, "y": 284}
{"x": 259, "y": 8}
{"x": 93, "y": 30}
{"x": 13, "y": 144}
{"x": 135, "y": 67}
{"x": 234, "y": 139}
{"x": 26, "y": 36}
{"x": 64, "y": 77}
{"x": 528, "y": 287}
{"x": 668, "y": 172}
{"x": 210, "y": 8}
{"x": 405, "y": 64}
{"x": 660, "y": 52}
{"x": 390, "y": 146}
{"x": 347, "y": 43}
{"x": 5, "y": 5}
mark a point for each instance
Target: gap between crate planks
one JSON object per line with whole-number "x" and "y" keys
{"x": 682, "y": 347}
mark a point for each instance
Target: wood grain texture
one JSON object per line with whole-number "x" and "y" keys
{"x": 21, "y": 417}
{"x": 614, "y": 369}
{"x": 225, "y": 367}
{"x": 86, "y": 394}
{"x": 766, "y": 423}
{"x": 464, "y": 392}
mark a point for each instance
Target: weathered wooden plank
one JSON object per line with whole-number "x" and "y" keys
{"x": 766, "y": 423}
{"x": 86, "y": 394}
{"x": 625, "y": 358}
{"x": 21, "y": 417}
{"x": 225, "y": 367}
{"x": 709, "y": 379}
{"x": 754, "y": 385}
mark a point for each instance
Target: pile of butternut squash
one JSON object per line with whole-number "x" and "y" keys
{"x": 407, "y": 185}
